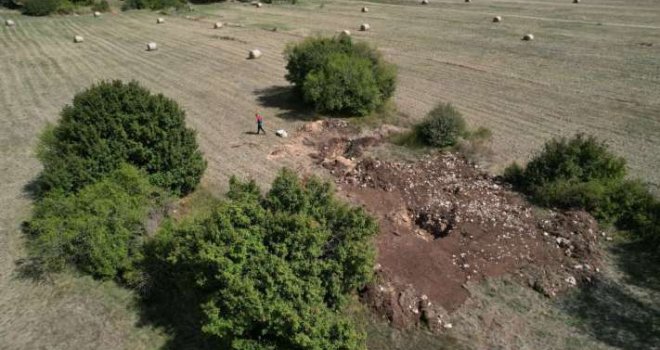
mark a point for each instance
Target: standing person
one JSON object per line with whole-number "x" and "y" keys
{"x": 260, "y": 123}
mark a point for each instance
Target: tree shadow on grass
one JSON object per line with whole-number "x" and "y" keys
{"x": 180, "y": 317}
{"x": 641, "y": 263}
{"x": 618, "y": 314}
{"x": 285, "y": 99}
{"x": 164, "y": 304}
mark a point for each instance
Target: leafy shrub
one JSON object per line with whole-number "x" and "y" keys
{"x": 152, "y": 4}
{"x": 112, "y": 123}
{"x": 582, "y": 173}
{"x": 99, "y": 230}
{"x": 101, "y": 6}
{"x": 40, "y": 7}
{"x": 270, "y": 272}
{"x": 443, "y": 126}
{"x": 579, "y": 159}
{"x": 66, "y": 7}
{"x": 344, "y": 84}
{"x": 338, "y": 76}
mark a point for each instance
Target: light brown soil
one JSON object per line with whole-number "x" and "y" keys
{"x": 444, "y": 222}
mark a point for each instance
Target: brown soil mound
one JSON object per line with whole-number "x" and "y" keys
{"x": 444, "y": 223}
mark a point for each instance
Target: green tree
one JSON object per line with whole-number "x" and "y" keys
{"x": 40, "y": 7}
{"x": 99, "y": 230}
{"x": 338, "y": 76}
{"x": 271, "y": 272}
{"x": 579, "y": 159}
{"x": 113, "y": 123}
{"x": 582, "y": 173}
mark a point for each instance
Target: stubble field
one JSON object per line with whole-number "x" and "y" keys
{"x": 594, "y": 67}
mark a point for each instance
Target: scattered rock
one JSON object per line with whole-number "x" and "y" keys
{"x": 571, "y": 281}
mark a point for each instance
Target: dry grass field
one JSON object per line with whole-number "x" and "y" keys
{"x": 593, "y": 67}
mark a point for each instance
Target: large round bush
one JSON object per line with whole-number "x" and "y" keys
{"x": 269, "y": 272}
{"x": 344, "y": 84}
{"x": 113, "y": 123}
{"x": 40, "y": 7}
{"x": 336, "y": 75}
{"x": 99, "y": 230}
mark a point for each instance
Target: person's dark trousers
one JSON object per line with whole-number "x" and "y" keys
{"x": 260, "y": 128}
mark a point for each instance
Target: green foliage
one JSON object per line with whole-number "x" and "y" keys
{"x": 271, "y": 272}
{"x": 579, "y": 159}
{"x": 113, "y": 123}
{"x": 344, "y": 84}
{"x": 40, "y": 7}
{"x": 99, "y": 230}
{"x": 152, "y": 4}
{"x": 101, "y": 6}
{"x": 292, "y": 2}
{"x": 66, "y": 7}
{"x": 442, "y": 127}
{"x": 339, "y": 76}
{"x": 582, "y": 173}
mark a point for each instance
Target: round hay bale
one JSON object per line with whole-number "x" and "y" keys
{"x": 258, "y": 5}
{"x": 365, "y": 9}
{"x": 254, "y": 54}
{"x": 217, "y": 25}
{"x": 365, "y": 27}
{"x": 10, "y": 23}
{"x": 160, "y": 20}
{"x": 497, "y": 19}
{"x": 346, "y": 32}
{"x": 97, "y": 14}
{"x": 528, "y": 37}
{"x": 78, "y": 39}
{"x": 425, "y": 2}
{"x": 152, "y": 46}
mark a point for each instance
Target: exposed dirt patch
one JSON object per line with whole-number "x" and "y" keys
{"x": 443, "y": 223}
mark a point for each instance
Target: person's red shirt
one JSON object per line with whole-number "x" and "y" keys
{"x": 259, "y": 118}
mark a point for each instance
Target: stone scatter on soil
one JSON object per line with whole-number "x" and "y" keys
{"x": 445, "y": 223}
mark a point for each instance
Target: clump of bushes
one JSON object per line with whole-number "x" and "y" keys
{"x": 66, "y": 7}
{"x": 101, "y": 6}
{"x": 581, "y": 172}
{"x": 442, "y": 127}
{"x": 270, "y": 272}
{"x": 152, "y": 4}
{"x": 338, "y": 76}
{"x": 99, "y": 230}
{"x": 113, "y": 123}
{"x": 40, "y": 7}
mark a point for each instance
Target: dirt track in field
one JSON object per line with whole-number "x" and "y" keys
{"x": 594, "y": 67}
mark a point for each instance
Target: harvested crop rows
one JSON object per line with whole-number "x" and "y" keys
{"x": 592, "y": 67}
